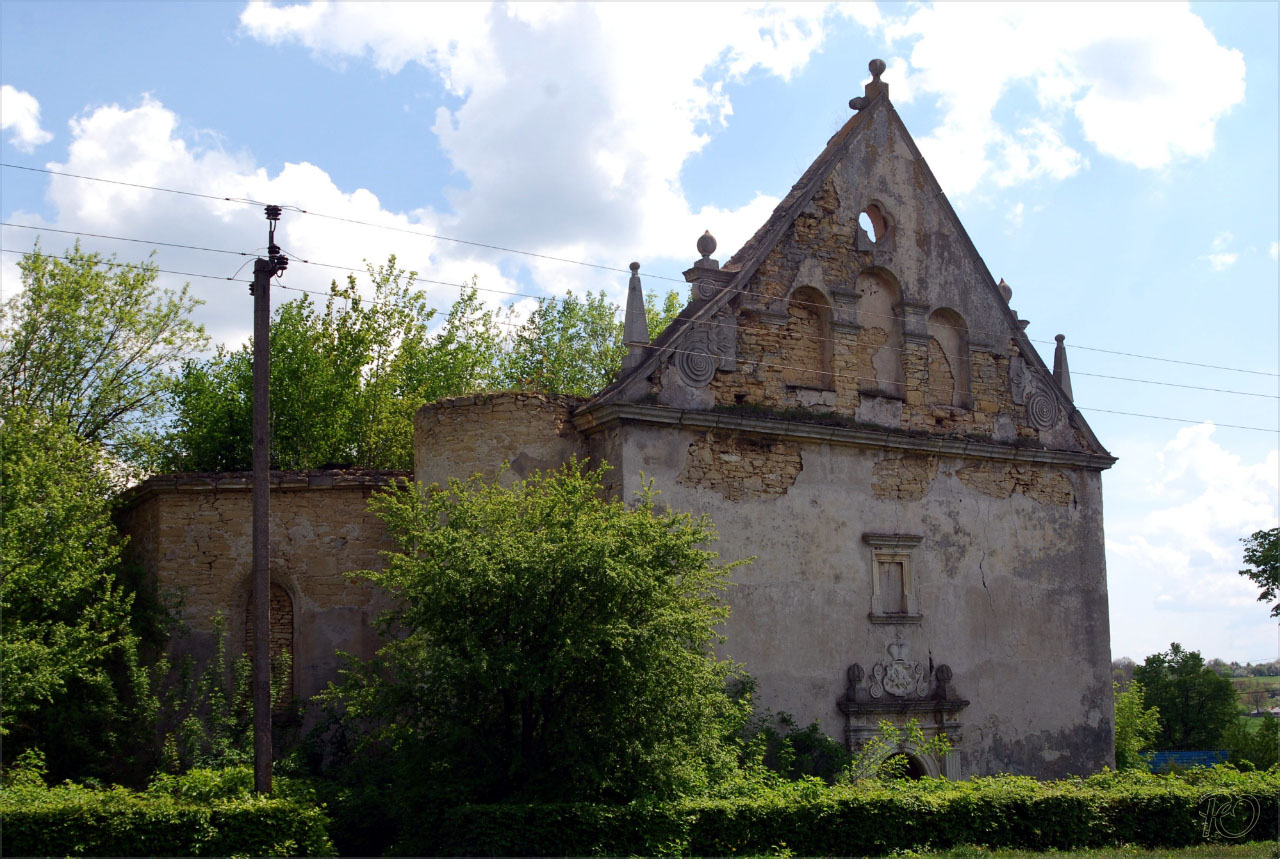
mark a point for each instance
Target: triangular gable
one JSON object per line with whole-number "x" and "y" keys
{"x": 733, "y": 280}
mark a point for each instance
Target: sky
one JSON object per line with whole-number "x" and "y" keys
{"x": 1115, "y": 164}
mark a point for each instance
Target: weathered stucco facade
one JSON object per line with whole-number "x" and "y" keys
{"x": 193, "y": 535}
{"x": 855, "y": 404}
{"x": 861, "y": 411}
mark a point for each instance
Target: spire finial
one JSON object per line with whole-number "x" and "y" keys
{"x": 1061, "y": 374}
{"x": 706, "y": 247}
{"x": 875, "y": 87}
{"x": 635, "y": 325}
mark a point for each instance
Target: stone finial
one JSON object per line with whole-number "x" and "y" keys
{"x": 1006, "y": 291}
{"x": 635, "y": 325}
{"x": 1061, "y": 374}
{"x": 874, "y": 88}
{"x": 707, "y": 246}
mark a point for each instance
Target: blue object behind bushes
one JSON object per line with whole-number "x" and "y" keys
{"x": 1163, "y": 762}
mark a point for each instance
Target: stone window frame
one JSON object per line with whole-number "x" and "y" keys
{"x": 893, "y": 548}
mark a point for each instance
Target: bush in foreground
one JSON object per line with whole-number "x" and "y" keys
{"x": 203, "y": 813}
{"x": 1214, "y": 806}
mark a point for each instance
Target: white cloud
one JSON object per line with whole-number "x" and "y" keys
{"x": 1219, "y": 258}
{"x": 1274, "y": 250}
{"x": 20, "y": 115}
{"x": 1119, "y": 70}
{"x": 572, "y": 131}
{"x": 1014, "y": 216}
{"x": 141, "y": 145}
{"x": 1182, "y": 553}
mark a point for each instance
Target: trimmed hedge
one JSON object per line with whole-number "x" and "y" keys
{"x": 71, "y": 820}
{"x": 1211, "y": 806}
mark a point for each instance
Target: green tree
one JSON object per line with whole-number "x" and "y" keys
{"x": 548, "y": 644}
{"x": 93, "y": 343}
{"x": 345, "y": 382}
{"x": 567, "y": 345}
{"x": 659, "y": 318}
{"x": 1258, "y": 747}
{"x": 1196, "y": 705}
{"x": 73, "y": 684}
{"x": 1262, "y": 555}
{"x": 1137, "y": 727}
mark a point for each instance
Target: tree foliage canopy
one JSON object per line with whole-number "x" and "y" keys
{"x": 1137, "y": 727}
{"x": 1196, "y": 705}
{"x": 345, "y": 382}
{"x": 69, "y": 669}
{"x": 92, "y": 343}
{"x": 552, "y": 644}
{"x": 1262, "y": 555}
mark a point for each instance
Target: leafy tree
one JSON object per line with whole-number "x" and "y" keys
{"x": 548, "y": 644}
{"x": 1196, "y": 705}
{"x": 345, "y": 383}
{"x": 1137, "y": 727}
{"x": 566, "y": 346}
{"x": 1262, "y": 555}
{"x": 660, "y": 317}
{"x": 1257, "y": 748}
{"x": 73, "y": 685}
{"x": 92, "y": 343}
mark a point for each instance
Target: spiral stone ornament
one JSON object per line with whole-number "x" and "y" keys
{"x": 1042, "y": 409}
{"x": 697, "y": 366}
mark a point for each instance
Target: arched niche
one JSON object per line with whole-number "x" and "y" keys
{"x": 807, "y": 340}
{"x": 949, "y": 362}
{"x": 282, "y": 628}
{"x": 880, "y": 338}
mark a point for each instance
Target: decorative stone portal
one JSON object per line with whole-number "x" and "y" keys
{"x": 898, "y": 690}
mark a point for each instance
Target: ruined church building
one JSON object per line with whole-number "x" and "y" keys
{"x": 860, "y": 409}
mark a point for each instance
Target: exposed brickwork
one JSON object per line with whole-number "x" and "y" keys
{"x": 825, "y": 233}
{"x": 1041, "y": 483}
{"x": 280, "y": 635}
{"x": 741, "y": 466}
{"x": 941, "y": 380}
{"x": 528, "y": 430}
{"x": 193, "y": 536}
{"x": 904, "y": 477}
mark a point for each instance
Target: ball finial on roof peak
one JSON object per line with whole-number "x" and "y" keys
{"x": 706, "y": 244}
{"x": 635, "y": 267}
{"x": 876, "y": 67}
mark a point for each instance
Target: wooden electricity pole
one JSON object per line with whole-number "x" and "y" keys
{"x": 263, "y": 271}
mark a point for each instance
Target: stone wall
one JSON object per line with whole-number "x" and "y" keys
{"x": 463, "y": 436}
{"x": 193, "y": 536}
{"x": 1008, "y": 575}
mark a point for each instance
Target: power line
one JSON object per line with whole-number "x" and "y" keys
{"x": 126, "y": 239}
{"x": 951, "y": 357}
{"x": 597, "y": 266}
{"x": 375, "y": 302}
{"x": 111, "y": 264}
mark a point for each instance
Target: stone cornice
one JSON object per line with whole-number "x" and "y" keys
{"x": 242, "y": 481}
{"x": 603, "y": 415}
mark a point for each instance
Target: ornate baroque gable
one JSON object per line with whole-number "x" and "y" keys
{"x": 863, "y": 301}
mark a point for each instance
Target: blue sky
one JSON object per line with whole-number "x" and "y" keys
{"x": 1116, "y": 164}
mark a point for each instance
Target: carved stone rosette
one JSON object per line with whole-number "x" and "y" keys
{"x": 710, "y": 346}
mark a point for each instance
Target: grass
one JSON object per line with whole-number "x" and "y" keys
{"x": 1252, "y": 850}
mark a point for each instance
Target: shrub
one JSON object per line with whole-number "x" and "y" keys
{"x": 204, "y": 813}
{"x": 877, "y": 818}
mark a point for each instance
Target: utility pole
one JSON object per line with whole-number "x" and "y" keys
{"x": 263, "y": 271}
